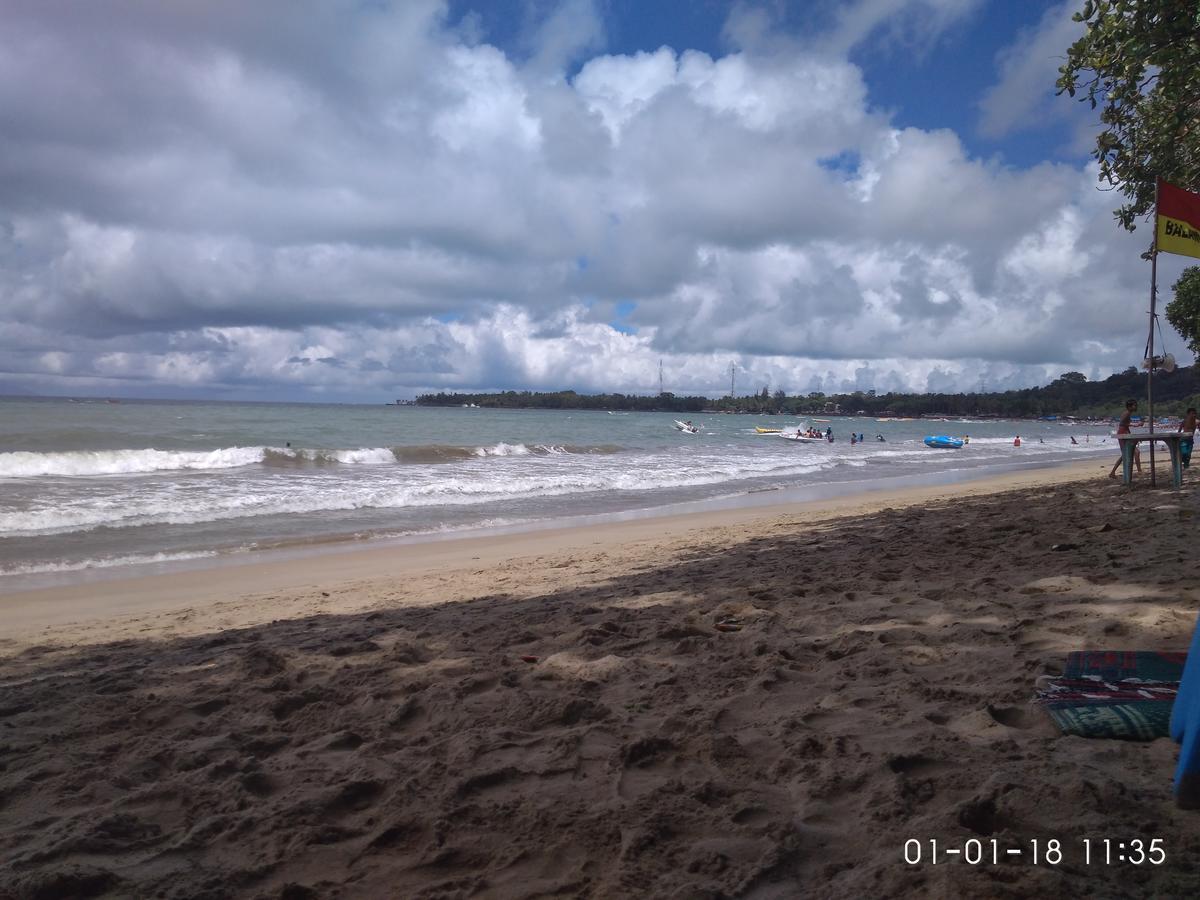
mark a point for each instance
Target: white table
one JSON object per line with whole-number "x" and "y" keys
{"x": 1170, "y": 438}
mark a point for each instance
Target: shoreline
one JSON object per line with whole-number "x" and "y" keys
{"x": 182, "y": 561}
{"x": 235, "y": 581}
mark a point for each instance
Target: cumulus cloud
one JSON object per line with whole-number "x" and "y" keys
{"x": 351, "y": 200}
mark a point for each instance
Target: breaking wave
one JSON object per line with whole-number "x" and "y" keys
{"x": 83, "y": 463}
{"x": 27, "y": 464}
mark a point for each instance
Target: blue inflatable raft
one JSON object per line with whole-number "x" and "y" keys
{"x": 943, "y": 442}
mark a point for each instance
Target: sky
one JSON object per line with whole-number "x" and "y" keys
{"x": 364, "y": 200}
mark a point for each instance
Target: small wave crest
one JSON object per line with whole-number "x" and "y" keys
{"x": 287, "y": 457}
{"x": 29, "y": 464}
{"x": 108, "y": 562}
{"x": 433, "y": 453}
{"x": 436, "y": 453}
{"x": 503, "y": 449}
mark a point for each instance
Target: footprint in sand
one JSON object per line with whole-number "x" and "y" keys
{"x": 354, "y": 797}
{"x": 406, "y": 714}
{"x": 259, "y": 662}
{"x": 914, "y": 764}
{"x": 208, "y": 707}
{"x": 642, "y": 765}
{"x": 344, "y": 740}
{"x": 257, "y": 783}
{"x": 751, "y": 815}
{"x": 475, "y": 685}
{"x": 980, "y": 816}
{"x": 1016, "y": 717}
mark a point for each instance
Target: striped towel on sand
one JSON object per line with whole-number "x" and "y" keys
{"x": 1124, "y": 694}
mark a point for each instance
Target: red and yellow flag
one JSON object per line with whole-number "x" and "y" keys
{"x": 1178, "y": 221}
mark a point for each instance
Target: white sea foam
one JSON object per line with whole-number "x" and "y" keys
{"x": 101, "y": 563}
{"x": 25, "y": 464}
{"x": 368, "y": 455}
{"x": 503, "y": 449}
{"x": 164, "y": 504}
{"x": 81, "y": 463}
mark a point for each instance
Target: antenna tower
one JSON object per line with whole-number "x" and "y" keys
{"x": 661, "y": 390}
{"x": 732, "y": 370}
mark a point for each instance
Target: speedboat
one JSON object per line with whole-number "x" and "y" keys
{"x": 802, "y": 438}
{"x": 687, "y": 428}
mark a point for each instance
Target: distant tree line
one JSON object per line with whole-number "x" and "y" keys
{"x": 1071, "y": 394}
{"x": 569, "y": 400}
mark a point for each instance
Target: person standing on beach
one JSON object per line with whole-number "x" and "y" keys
{"x": 1123, "y": 427}
{"x": 1188, "y": 428}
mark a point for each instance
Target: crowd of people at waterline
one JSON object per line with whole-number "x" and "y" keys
{"x": 1186, "y": 427}
{"x": 827, "y": 434}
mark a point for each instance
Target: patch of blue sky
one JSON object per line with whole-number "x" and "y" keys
{"x": 845, "y": 163}
{"x": 942, "y": 85}
{"x": 630, "y": 26}
{"x": 621, "y": 313}
{"x": 647, "y": 25}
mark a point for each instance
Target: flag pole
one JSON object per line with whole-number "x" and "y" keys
{"x": 1150, "y": 342}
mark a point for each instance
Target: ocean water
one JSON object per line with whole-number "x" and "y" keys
{"x": 88, "y": 485}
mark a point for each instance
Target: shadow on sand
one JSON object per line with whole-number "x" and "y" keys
{"x": 869, "y": 685}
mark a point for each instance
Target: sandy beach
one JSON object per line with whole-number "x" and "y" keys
{"x": 757, "y": 702}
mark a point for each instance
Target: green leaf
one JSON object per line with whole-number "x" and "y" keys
{"x": 1150, "y": 128}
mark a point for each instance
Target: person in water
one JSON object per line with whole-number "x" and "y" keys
{"x": 1188, "y": 428}
{"x": 1123, "y": 428}
{"x": 880, "y": 437}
